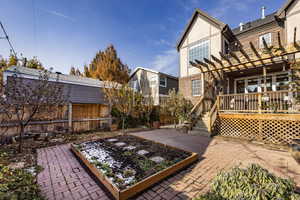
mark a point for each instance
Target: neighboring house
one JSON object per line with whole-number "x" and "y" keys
{"x": 242, "y": 70}
{"x": 153, "y": 83}
{"x": 85, "y": 109}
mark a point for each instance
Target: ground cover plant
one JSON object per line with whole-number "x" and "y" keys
{"x": 252, "y": 183}
{"x": 126, "y": 160}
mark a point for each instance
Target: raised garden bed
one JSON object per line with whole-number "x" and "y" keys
{"x": 126, "y": 165}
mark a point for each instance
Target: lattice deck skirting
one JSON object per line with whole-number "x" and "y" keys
{"x": 269, "y": 128}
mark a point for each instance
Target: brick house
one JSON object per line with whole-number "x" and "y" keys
{"x": 241, "y": 76}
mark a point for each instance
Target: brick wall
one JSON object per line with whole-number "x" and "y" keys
{"x": 185, "y": 87}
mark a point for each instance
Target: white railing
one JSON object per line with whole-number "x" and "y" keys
{"x": 272, "y": 102}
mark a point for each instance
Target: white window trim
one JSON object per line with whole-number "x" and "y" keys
{"x": 165, "y": 85}
{"x": 273, "y": 75}
{"x": 261, "y": 44}
{"x": 197, "y": 44}
{"x": 196, "y": 95}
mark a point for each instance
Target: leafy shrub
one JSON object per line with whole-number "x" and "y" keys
{"x": 18, "y": 184}
{"x": 252, "y": 183}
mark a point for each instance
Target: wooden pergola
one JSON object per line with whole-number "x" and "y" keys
{"x": 242, "y": 59}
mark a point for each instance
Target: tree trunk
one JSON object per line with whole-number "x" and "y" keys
{"x": 109, "y": 115}
{"x": 123, "y": 124}
{"x": 21, "y": 133}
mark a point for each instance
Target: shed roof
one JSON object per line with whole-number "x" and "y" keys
{"x": 80, "y": 90}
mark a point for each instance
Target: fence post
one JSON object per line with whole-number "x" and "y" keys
{"x": 70, "y": 118}
{"x": 259, "y": 102}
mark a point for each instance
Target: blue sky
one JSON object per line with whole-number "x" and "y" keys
{"x": 65, "y": 33}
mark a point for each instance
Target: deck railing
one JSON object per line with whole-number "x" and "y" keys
{"x": 266, "y": 102}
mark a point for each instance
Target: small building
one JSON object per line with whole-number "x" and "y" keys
{"x": 239, "y": 79}
{"x": 86, "y": 108}
{"x": 153, "y": 83}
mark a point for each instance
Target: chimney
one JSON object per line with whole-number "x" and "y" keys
{"x": 241, "y": 26}
{"x": 263, "y": 9}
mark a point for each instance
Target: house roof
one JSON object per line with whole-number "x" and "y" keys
{"x": 78, "y": 80}
{"x": 153, "y": 71}
{"x": 285, "y": 6}
{"x": 79, "y": 89}
{"x": 191, "y": 21}
{"x": 255, "y": 24}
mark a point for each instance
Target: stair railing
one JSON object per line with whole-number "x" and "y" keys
{"x": 198, "y": 105}
{"x": 212, "y": 116}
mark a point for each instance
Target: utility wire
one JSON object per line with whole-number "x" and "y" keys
{"x": 7, "y": 38}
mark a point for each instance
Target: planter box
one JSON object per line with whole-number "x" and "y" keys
{"x": 130, "y": 191}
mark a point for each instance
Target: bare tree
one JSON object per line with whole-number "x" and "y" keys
{"x": 126, "y": 101}
{"x": 110, "y": 91}
{"x": 27, "y": 97}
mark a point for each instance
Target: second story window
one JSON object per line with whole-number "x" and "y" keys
{"x": 162, "y": 81}
{"x": 199, "y": 51}
{"x": 268, "y": 39}
{"x": 196, "y": 87}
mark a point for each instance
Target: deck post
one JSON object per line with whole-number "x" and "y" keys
{"x": 70, "y": 125}
{"x": 259, "y": 102}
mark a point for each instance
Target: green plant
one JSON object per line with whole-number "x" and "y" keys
{"x": 18, "y": 184}
{"x": 128, "y": 172}
{"x": 127, "y": 153}
{"x": 254, "y": 182}
{"x": 146, "y": 164}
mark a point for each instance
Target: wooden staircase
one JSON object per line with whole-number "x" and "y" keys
{"x": 204, "y": 116}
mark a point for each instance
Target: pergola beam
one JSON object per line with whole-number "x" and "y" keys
{"x": 243, "y": 52}
{"x": 206, "y": 66}
{"x": 256, "y": 53}
{"x": 214, "y": 66}
{"x": 220, "y": 63}
{"x": 237, "y": 59}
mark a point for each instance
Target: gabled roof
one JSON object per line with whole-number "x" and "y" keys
{"x": 255, "y": 24}
{"x": 197, "y": 12}
{"x": 151, "y": 70}
{"x": 285, "y": 6}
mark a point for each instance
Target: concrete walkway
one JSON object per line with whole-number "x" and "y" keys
{"x": 65, "y": 178}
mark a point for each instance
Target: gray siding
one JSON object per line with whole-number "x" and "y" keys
{"x": 171, "y": 83}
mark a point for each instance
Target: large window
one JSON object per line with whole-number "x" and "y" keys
{"x": 274, "y": 82}
{"x": 196, "y": 87}
{"x": 268, "y": 39}
{"x": 282, "y": 82}
{"x": 252, "y": 85}
{"x": 162, "y": 81}
{"x": 199, "y": 51}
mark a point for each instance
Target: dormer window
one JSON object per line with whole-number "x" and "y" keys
{"x": 162, "y": 81}
{"x": 199, "y": 51}
{"x": 268, "y": 39}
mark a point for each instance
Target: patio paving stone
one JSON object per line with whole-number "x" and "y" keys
{"x": 65, "y": 178}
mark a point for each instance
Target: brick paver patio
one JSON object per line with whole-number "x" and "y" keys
{"x": 65, "y": 178}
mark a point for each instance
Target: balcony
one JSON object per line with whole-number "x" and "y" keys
{"x": 265, "y": 102}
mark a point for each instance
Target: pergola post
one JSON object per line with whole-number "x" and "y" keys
{"x": 70, "y": 124}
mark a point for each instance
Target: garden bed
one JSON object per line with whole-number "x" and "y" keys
{"x": 128, "y": 164}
